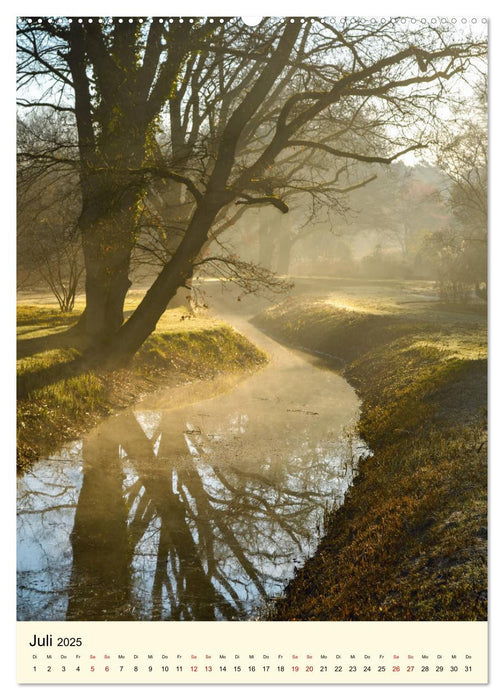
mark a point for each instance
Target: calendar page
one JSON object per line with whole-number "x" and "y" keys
{"x": 252, "y": 349}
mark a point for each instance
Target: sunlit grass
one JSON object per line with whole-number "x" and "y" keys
{"x": 180, "y": 321}
{"x": 36, "y": 316}
{"x": 409, "y": 299}
{"x": 56, "y": 406}
{"x": 469, "y": 346}
{"x": 45, "y": 360}
{"x": 74, "y": 396}
{"x": 37, "y": 320}
{"x": 409, "y": 542}
{"x": 362, "y": 306}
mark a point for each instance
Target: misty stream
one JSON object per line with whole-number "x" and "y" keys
{"x": 198, "y": 504}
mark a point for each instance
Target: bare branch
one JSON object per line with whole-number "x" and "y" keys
{"x": 355, "y": 156}
{"x": 162, "y": 172}
{"x": 274, "y": 201}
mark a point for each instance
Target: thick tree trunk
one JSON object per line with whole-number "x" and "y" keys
{"x": 106, "y": 288}
{"x": 173, "y": 276}
{"x": 108, "y": 227}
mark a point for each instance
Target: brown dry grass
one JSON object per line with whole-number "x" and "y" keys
{"x": 409, "y": 543}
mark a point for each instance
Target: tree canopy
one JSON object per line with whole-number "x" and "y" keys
{"x": 209, "y": 117}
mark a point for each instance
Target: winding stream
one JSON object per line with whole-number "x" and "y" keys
{"x": 199, "y": 510}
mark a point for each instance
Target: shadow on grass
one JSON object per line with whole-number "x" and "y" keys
{"x": 39, "y": 378}
{"x": 68, "y": 338}
{"x": 75, "y": 359}
{"x": 84, "y": 359}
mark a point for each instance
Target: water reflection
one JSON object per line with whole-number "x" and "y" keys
{"x": 199, "y": 513}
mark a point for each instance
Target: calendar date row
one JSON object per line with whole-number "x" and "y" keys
{"x": 282, "y": 668}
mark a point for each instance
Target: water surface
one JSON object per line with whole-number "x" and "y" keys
{"x": 200, "y": 511}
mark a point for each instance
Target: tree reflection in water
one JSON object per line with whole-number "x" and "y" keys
{"x": 181, "y": 520}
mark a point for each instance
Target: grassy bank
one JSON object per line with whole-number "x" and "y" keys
{"x": 57, "y": 404}
{"x": 409, "y": 543}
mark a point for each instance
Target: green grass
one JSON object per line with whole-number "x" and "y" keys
{"x": 39, "y": 317}
{"x": 409, "y": 542}
{"x": 56, "y": 404}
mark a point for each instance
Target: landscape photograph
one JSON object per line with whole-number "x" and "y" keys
{"x": 252, "y": 319}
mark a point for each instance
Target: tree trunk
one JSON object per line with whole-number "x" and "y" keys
{"x": 108, "y": 224}
{"x": 107, "y": 283}
{"x": 168, "y": 200}
{"x": 173, "y": 276}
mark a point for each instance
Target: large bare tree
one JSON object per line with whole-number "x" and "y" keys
{"x": 241, "y": 108}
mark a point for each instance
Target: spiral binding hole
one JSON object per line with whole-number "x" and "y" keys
{"x": 249, "y": 21}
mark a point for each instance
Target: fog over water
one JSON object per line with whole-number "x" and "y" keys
{"x": 201, "y": 510}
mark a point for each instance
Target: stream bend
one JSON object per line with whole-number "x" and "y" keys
{"x": 201, "y": 511}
